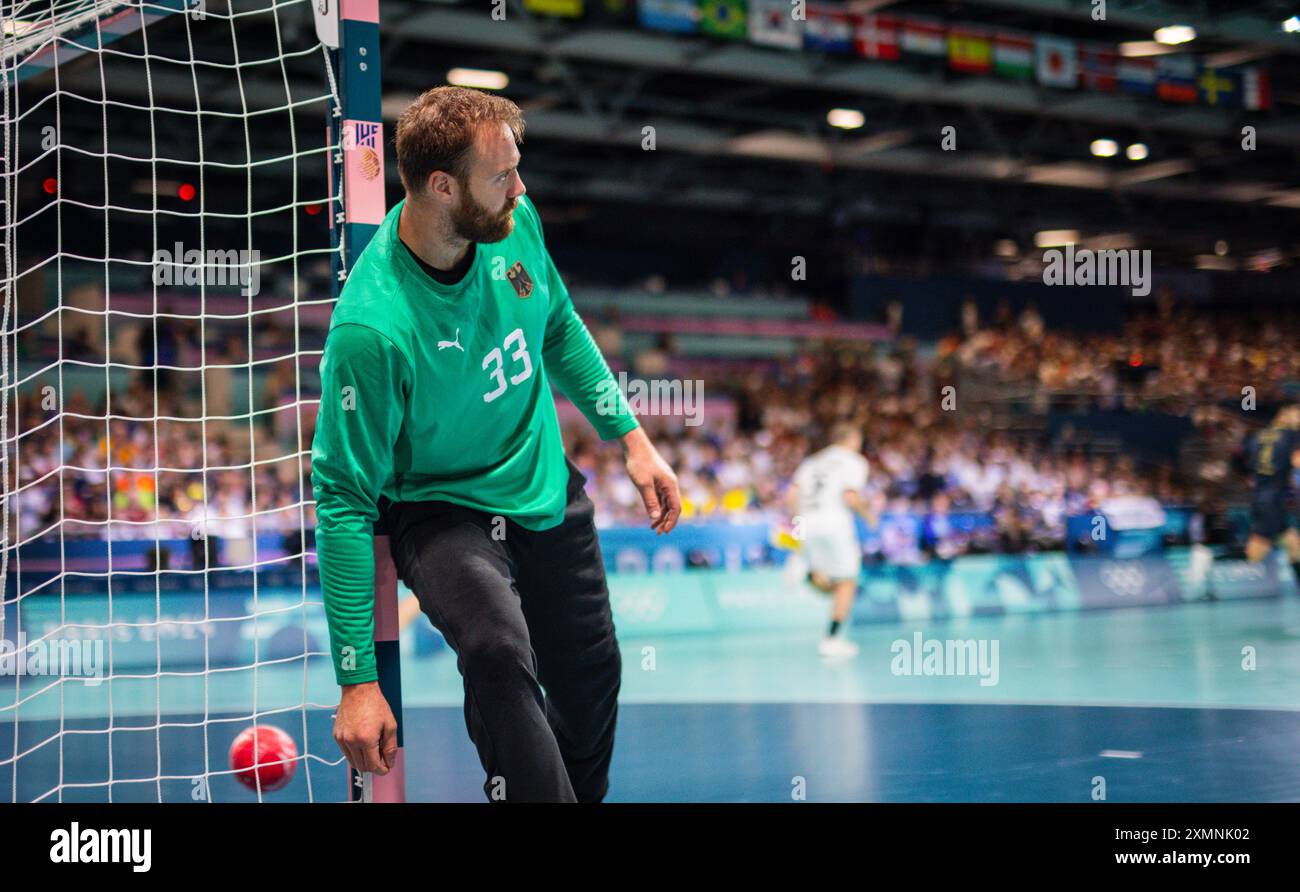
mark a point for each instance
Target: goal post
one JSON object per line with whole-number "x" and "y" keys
{"x": 358, "y": 129}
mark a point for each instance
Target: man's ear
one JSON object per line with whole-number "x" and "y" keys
{"x": 441, "y": 184}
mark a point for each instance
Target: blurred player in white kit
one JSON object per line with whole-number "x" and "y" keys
{"x": 825, "y": 494}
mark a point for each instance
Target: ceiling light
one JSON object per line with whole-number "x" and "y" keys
{"x": 845, "y": 118}
{"x": 1104, "y": 148}
{"x": 1132, "y": 48}
{"x": 478, "y": 78}
{"x": 1172, "y": 35}
{"x": 1055, "y": 238}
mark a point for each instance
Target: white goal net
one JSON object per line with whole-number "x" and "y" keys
{"x": 168, "y": 272}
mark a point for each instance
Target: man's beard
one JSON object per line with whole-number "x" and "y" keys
{"x": 473, "y": 222}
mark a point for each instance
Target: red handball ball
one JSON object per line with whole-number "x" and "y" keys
{"x": 271, "y": 758}
{"x": 186, "y": 192}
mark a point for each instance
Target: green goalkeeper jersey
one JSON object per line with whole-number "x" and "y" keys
{"x": 434, "y": 391}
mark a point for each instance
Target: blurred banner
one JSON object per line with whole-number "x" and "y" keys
{"x": 898, "y": 537}
{"x": 182, "y": 631}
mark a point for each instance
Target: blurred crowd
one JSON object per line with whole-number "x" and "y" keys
{"x": 761, "y": 420}
{"x": 1203, "y": 366}
{"x": 189, "y": 474}
{"x": 1178, "y": 356}
{"x": 924, "y": 460}
{"x": 1178, "y": 360}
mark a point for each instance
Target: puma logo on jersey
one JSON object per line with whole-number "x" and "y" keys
{"x": 443, "y": 345}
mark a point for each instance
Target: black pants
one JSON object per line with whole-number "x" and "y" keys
{"x": 528, "y": 616}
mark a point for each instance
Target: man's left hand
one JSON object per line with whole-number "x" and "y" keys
{"x": 653, "y": 479}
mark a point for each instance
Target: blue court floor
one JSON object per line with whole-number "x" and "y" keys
{"x": 1198, "y": 702}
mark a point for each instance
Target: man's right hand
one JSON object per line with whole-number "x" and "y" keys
{"x": 364, "y": 728}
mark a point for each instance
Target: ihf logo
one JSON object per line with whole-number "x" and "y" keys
{"x": 363, "y": 139}
{"x": 364, "y": 134}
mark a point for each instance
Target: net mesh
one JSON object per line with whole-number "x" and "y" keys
{"x": 167, "y": 283}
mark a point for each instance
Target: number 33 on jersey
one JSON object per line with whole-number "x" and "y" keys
{"x": 494, "y": 364}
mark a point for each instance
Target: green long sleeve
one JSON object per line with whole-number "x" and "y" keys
{"x": 364, "y": 379}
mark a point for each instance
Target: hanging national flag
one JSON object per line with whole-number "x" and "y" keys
{"x": 669, "y": 15}
{"x": 1176, "y": 78}
{"x": 570, "y": 9}
{"x": 924, "y": 37}
{"x": 1099, "y": 66}
{"x": 1058, "y": 61}
{"x": 1137, "y": 75}
{"x": 969, "y": 50}
{"x": 724, "y": 18}
{"x": 1218, "y": 88}
{"x": 1013, "y": 54}
{"x": 828, "y": 29}
{"x": 610, "y": 12}
{"x": 1255, "y": 92}
{"x": 772, "y": 23}
{"x": 877, "y": 37}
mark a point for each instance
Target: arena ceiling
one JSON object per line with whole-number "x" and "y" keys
{"x": 743, "y": 144}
